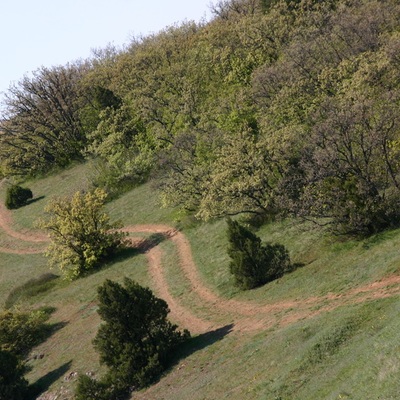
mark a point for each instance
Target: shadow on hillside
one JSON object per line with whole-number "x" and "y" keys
{"x": 34, "y": 200}
{"x": 125, "y": 253}
{"x": 152, "y": 241}
{"x": 140, "y": 247}
{"x": 293, "y": 267}
{"x": 44, "y": 383}
{"x": 200, "y": 342}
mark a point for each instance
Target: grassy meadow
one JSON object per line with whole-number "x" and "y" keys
{"x": 347, "y": 351}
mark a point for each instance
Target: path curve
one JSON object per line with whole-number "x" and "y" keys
{"x": 244, "y": 315}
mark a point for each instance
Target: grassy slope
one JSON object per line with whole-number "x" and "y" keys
{"x": 350, "y": 352}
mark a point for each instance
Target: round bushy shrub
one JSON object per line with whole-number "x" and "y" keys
{"x": 17, "y": 196}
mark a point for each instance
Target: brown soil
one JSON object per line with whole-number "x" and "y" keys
{"x": 244, "y": 315}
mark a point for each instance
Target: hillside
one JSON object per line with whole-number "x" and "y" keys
{"x": 283, "y": 115}
{"x": 329, "y": 329}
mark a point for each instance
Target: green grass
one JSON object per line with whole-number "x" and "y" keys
{"x": 351, "y": 351}
{"x": 65, "y": 183}
{"x": 32, "y": 288}
{"x": 17, "y": 269}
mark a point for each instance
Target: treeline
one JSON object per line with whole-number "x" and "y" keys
{"x": 271, "y": 108}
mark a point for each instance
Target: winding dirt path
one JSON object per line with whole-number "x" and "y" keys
{"x": 244, "y": 315}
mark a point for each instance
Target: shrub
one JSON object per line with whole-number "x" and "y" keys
{"x": 136, "y": 341}
{"x": 81, "y": 234}
{"x": 17, "y": 196}
{"x": 91, "y": 389}
{"x": 13, "y": 385}
{"x": 253, "y": 263}
{"x": 21, "y": 331}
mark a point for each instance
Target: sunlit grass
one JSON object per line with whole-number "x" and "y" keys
{"x": 351, "y": 351}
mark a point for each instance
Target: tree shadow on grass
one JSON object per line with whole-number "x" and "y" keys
{"x": 140, "y": 247}
{"x": 150, "y": 242}
{"x": 124, "y": 254}
{"x": 200, "y": 342}
{"x": 34, "y": 200}
{"x": 44, "y": 383}
{"x": 293, "y": 267}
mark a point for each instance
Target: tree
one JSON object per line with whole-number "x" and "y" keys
{"x": 122, "y": 148}
{"x": 253, "y": 263}
{"x": 41, "y": 125}
{"x": 243, "y": 179}
{"x": 81, "y": 233}
{"x": 13, "y": 385}
{"x": 136, "y": 339}
{"x": 21, "y": 331}
{"x": 17, "y": 196}
{"x": 353, "y": 173}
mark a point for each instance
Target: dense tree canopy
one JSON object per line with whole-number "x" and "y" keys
{"x": 271, "y": 107}
{"x": 41, "y": 126}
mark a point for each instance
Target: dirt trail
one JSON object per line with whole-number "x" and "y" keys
{"x": 244, "y": 315}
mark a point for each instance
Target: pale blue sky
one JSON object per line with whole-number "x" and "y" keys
{"x": 52, "y": 32}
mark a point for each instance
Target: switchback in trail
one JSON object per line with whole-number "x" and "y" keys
{"x": 245, "y": 316}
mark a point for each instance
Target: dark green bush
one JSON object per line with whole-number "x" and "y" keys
{"x": 91, "y": 389}
{"x": 17, "y": 196}
{"x": 253, "y": 263}
{"x": 13, "y": 385}
{"x": 136, "y": 340}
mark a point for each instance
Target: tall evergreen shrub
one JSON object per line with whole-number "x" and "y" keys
{"x": 252, "y": 262}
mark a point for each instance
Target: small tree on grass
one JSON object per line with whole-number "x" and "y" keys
{"x": 253, "y": 263}
{"x": 17, "y": 196}
{"x": 13, "y": 385}
{"x": 21, "y": 331}
{"x": 136, "y": 340}
{"x": 81, "y": 233}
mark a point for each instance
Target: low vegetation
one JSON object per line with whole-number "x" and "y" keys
{"x": 283, "y": 115}
{"x": 80, "y": 232}
{"x": 253, "y": 263}
{"x": 135, "y": 341}
{"x": 17, "y": 197}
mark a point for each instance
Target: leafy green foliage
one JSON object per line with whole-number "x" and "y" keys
{"x": 81, "y": 233}
{"x": 13, "y": 385}
{"x": 91, "y": 389}
{"x": 253, "y": 263}
{"x": 17, "y": 196}
{"x": 136, "y": 340}
{"x": 123, "y": 149}
{"x": 272, "y": 107}
{"x": 41, "y": 127}
{"x": 20, "y": 331}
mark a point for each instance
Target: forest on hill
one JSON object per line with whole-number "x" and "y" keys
{"x": 271, "y": 136}
{"x": 271, "y": 108}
